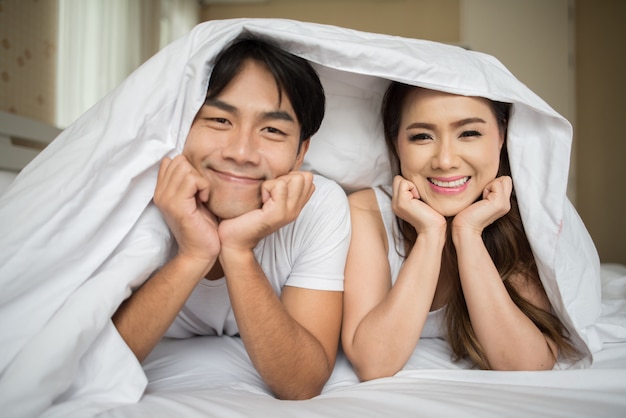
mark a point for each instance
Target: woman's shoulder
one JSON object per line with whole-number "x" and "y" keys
{"x": 362, "y": 197}
{"x": 366, "y": 214}
{"x": 364, "y": 201}
{"x": 368, "y": 199}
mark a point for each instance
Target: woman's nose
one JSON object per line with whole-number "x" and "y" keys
{"x": 446, "y": 156}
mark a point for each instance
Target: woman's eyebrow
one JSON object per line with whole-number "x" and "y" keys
{"x": 458, "y": 123}
{"x": 422, "y": 125}
{"x": 467, "y": 121}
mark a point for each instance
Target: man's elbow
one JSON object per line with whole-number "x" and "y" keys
{"x": 299, "y": 395}
{"x": 303, "y": 390}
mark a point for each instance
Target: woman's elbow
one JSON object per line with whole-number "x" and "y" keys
{"x": 371, "y": 371}
{"x": 531, "y": 365}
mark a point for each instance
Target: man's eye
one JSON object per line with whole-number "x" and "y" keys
{"x": 217, "y": 122}
{"x": 274, "y": 130}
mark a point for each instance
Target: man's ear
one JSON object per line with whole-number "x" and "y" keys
{"x": 304, "y": 147}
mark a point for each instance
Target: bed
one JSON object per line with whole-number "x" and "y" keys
{"x": 86, "y": 200}
{"x": 21, "y": 139}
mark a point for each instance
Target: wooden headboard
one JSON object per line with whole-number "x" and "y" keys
{"x": 21, "y": 139}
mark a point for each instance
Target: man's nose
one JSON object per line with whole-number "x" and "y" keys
{"x": 242, "y": 147}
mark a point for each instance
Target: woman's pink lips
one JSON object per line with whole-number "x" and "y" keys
{"x": 449, "y": 190}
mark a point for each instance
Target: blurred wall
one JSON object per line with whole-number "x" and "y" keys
{"x": 601, "y": 109}
{"x": 549, "y": 70}
{"x": 28, "y": 54}
{"x": 437, "y": 20}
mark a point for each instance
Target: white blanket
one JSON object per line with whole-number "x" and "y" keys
{"x": 78, "y": 231}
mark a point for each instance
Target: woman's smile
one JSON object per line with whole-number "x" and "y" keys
{"x": 449, "y": 185}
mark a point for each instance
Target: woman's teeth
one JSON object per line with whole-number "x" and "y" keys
{"x": 455, "y": 183}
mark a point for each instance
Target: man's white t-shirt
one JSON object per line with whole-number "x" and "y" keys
{"x": 310, "y": 253}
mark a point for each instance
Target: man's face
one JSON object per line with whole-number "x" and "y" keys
{"x": 241, "y": 138}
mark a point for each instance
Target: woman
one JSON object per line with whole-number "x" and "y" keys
{"x": 444, "y": 253}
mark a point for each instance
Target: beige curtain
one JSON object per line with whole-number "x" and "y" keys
{"x": 102, "y": 41}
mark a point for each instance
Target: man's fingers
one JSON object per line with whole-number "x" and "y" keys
{"x": 289, "y": 193}
{"x": 300, "y": 188}
{"x": 292, "y": 187}
{"x": 178, "y": 179}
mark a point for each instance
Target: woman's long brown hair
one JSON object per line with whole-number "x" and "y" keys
{"x": 505, "y": 240}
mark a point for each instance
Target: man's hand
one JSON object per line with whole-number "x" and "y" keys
{"x": 407, "y": 205}
{"x": 180, "y": 195}
{"x": 282, "y": 200}
{"x": 298, "y": 327}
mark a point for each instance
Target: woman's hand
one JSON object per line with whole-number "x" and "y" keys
{"x": 496, "y": 202}
{"x": 407, "y": 205}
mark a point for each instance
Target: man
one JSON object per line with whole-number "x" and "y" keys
{"x": 261, "y": 246}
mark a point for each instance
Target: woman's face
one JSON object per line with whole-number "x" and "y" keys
{"x": 449, "y": 147}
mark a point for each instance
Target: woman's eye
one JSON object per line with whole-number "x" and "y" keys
{"x": 219, "y": 120}
{"x": 419, "y": 137}
{"x": 466, "y": 134}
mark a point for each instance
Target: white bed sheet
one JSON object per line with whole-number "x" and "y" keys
{"x": 213, "y": 377}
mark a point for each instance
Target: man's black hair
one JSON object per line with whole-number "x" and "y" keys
{"x": 293, "y": 75}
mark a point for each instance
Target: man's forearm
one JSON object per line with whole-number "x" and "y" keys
{"x": 145, "y": 316}
{"x": 290, "y": 360}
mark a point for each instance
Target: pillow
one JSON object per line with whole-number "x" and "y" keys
{"x": 351, "y": 132}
